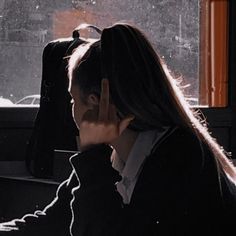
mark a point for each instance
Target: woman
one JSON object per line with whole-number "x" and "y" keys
{"x": 147, "y": 164}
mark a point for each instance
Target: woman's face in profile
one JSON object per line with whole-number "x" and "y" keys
{"x": 79, "y": 107}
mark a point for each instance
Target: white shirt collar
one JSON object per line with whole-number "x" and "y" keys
{"x": 140, "y": 150}
{"x": 132, "y": 168}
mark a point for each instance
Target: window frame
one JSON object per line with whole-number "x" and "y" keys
{"x": 213, "y": 72}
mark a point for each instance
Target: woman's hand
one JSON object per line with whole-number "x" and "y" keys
{"x": 101, "y": 124}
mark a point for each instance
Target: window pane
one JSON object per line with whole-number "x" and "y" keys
{"x": 27, "y": 26}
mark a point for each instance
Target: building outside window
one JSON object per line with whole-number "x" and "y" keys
{"x": 27, "y": 26}
{"x": 190, "y": 36}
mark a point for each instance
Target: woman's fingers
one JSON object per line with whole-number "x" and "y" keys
{"x": 104, "y": 101}
{"x": 112, "y": 116}
{"x": 101, "y": 123}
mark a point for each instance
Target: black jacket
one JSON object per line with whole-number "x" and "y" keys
{"x": 179, "y": 192}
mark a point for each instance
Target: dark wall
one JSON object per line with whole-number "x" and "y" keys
{"x": 232, "y": 71}
{"x": 16, "y": 126}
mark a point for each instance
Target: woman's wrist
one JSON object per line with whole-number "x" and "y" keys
{"x": 85, "y": 146}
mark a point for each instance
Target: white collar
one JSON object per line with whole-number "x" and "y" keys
{"x": 140, "y": 150}
{"x": 132, "y": 168}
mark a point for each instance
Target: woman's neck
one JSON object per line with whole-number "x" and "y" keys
{"x": 124, "y": 143}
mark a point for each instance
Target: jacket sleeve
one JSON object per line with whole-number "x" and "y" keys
{"x": 55, "y": 219}
{"x": 86, "y": 204}
{"x": 97, "y": 207}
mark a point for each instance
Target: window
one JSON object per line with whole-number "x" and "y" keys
{"x": 187, "y": 34}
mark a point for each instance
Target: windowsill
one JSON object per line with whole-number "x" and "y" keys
{"x": 15, "y": 170}
{"x": 18, "y": 116}
{"x": 29, "y": 179}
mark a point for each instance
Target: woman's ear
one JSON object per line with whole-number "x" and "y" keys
{"x": 93, "y": 100}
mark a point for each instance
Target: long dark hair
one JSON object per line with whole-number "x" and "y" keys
{"x": 140, "y": 84}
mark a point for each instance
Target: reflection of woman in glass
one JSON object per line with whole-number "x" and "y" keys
{"x": 147, "y": 165}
